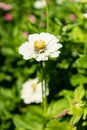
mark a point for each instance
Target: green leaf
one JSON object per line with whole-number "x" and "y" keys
{"x": 68, "y": 94}
{"x": 56, "y": 125}
{"x": 57, "y": 107}
{"x": 77, "y": 34}
{"x": 26, "y": 122}
{"x": 77, "y": 113}
{"x": 85, "y": 113}
{"x": 21, "y": 123}
{"x": 82, "y": 62}
{"x": 78, "y": 79}
{"x": 79, "y": 93}
{"x": 29, "y": 116}
{"x": 76, "y": 110}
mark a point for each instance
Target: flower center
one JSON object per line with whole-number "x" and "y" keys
{"x": 39, "y": 44}
{"x": 34, "y": 85}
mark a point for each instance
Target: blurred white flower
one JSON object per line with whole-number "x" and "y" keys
{"x": 39, "y": 4}
{"x": 40, "y": 47}
{"x": 85, "y": 15}
{"x": 32, "y": 91}
{"x": 59, "y": 2}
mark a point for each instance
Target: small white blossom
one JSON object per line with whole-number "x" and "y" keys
{"x": 85, "y": 15}
{"x": 39, "y": 4}
{"x": 32, "y": 91}
{"x": 40, "y": 47}
{"x": 59, "y": 2}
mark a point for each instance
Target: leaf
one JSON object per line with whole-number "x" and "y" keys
{"x": 26, "y": 122}
{"x": 78, "y": 79}
{"x": 29, "y": 116}
{"x": 77, "y": 113}
{"x": 77, "y": 35}
{"x": 82, "y": 62}
{"x": 21, "y": 123}
{"x": 56, "y": 125}
{"x": 57, "y": 107}
{"x": 68, "y": 94}
{"x": 79, "y": 93}
{"x": 85, "y": 113}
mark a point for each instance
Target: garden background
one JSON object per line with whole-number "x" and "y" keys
{"x": 67, "y": 99}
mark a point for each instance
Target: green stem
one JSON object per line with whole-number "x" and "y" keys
{"x": 47, "y": 17}
{"x": 85, "y": 47}
{"x": 42, "y": 81}
{"x": 44, "y": 97}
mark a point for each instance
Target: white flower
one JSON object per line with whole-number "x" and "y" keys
{"x": 39, "y": 4}
{"x": 59, "y": 2}
{"x": 85, "y": 15}
{"x": 32, "y": 91}
{"x": 40, "y": 47}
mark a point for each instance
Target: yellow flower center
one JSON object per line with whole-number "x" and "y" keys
{"x": 39, "y": 44}
{"x": 34, "y": 85}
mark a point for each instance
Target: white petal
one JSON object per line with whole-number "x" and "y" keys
{"x": 52, "y": 42}
{"x": 27, "y": 101}
{"x": 26, "y": 50}
{"x": 40, "y": 57}
{"x": 33, "y": 37}
{"x": 47, "y": 37}
{"x": 55, "y": 54}
{"x": 54, "y": 48}
{"x": 45, "y": 58}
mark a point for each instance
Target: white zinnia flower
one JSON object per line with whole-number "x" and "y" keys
{"x": 85, "y": 15}
{"x": 39, "y": 4}
{"x": 40, "y": 47}
{"x": 59, "y": 2}
{"x": 32, "y": 91}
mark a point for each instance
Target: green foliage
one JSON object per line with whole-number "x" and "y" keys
{"x": 77, "y": 106}
{"x": 78, "y": 79}
{"x": 54, "y": 125}
{"x": 82, "y": 62}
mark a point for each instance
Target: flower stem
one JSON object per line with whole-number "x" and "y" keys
{"x": 85, "y": 47}
{"x": 47, "y": 17}
{"x": 44, "y": 97}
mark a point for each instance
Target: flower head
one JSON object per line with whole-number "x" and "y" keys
{"x": 85, "y": 15}
{"x": 73, "y": 17}
{"x": 25, "y": 34}
{"x": 32, "y": 91}
{"x": 40, "y": 47}
{"x": 5, "y": 6}
{"x": 39, "y": 4}
{"x": 32, "y": 18}
{"x": 59, "y": 2}
{"x": 8, "y": 17}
